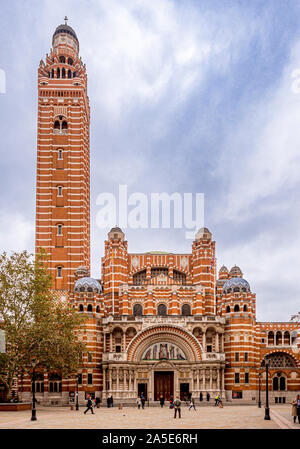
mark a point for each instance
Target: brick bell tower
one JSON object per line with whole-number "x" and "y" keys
{"x": 63, "y": 159}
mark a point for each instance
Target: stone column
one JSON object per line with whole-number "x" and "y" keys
{"x": 203, "y": 380}
{"x": 104, "y": 383}
{"x": 110, "y": 380}
{"x": 217, "y": 342}
{"x": 198, "y": 388}
{"x": 218, "y": 380}
{"x": 134, "y": 384}
{"x": 129, "y": 383}
{"x": 204, "y": 340}
{"x": 118, "y": 386}
{"x": 210, "y": 378}
{"x": 124, "y": 341}
{"x": 110, "y": 342}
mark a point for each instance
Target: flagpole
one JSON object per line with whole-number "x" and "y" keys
{"x": 113, "y": 290}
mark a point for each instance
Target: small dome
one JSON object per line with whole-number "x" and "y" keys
{"x": 236, "y": 285}
{"x": 65, "y": 29}
{"x": 223, "y": 269}
{"x": 88, "y": 285}
{"x": 203, "y": 234}
{"x": 116, "y": 233}
{"x": 235, "y": 272}
{"x": 81, "y": 271}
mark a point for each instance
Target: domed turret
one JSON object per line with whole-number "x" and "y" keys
{"x": 87, "y": 284}
{"x": 81, "y": 272}
{"x": 236, "y": 285}
{"x": 235, "y": 272}
{"x": 62, "y": 36}
{"x": 203, "y": 234}
{"x": 116, "y": 233}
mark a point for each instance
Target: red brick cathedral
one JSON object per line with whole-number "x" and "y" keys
{"x": 158, "y": 323}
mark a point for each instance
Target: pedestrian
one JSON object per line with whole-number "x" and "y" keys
{"x": 217, "y": 398}
{"x": 111, "y": 401}
{"x": 294, "y": 409}
{"x": 189, "y": 396}
{"x": 89, "y": 405}
{"x": 108, "y": 402}
{"x": 177, "y": 408}
{"x": 161, "y": 400}
{"x": 171, "y": 401}
{"x": 97, "y": 402}
{"x": 138, "y": 402}
{"x": 192, "y": 404}
{"x": 143, "y": 400}
{"x": 201, "y": 396}
{"x": 207, "y": 397}
{"x": 298, "y": 407}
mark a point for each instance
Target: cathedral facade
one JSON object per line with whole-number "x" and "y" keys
{"x": 157, "y": 323}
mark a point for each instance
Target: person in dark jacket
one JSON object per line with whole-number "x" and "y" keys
{"x": 207, "y": 397}
{"x": 108, "y": 402}
{"x": 111, "y": 401}
{"x": 201, "y": 396}
{"x": 161, "y": 400}
{"x": 89, "y": 405}
{"x": 143, "y": 399}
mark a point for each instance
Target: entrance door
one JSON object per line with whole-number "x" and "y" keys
{"x": 163, "y": 384}
{"x": 142, "y": 388}
{"x": 184, "y": 391}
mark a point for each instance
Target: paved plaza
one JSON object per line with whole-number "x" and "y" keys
{"x": 209, "y": 417}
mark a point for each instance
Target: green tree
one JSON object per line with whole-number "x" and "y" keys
{"x": 36, "y": 322}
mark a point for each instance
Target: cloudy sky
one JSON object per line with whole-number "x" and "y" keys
{"x": 186, "y": 96}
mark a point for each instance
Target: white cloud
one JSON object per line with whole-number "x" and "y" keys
{"x": 16, "y": 233}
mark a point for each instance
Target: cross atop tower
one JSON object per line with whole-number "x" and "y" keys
{"x": 66, "y": 20}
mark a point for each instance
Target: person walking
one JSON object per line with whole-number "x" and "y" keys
{"x": 294, "y": 409}
{"x": 97, "y": 402}
{"x": 161, "y": 400}
{"x": 201, "y": 396}
{"x": 108, "y": 402}
{"x": 298, "y": 407}
{"x": 171, "y": 401}
{"x": 89, "y": 405}
{"x": 192, "y": 404}
{"x": 217, "y": 398}
{"x": 111, "y": 401}
{"x": 138, "y": 402}
{"x": 143, "y": 400}
{"x": 177, "y": 408}
{"x": 207, "y": 397}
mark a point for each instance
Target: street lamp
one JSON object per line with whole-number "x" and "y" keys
{"x": 259, "y": 389}
{"x": 267, "y": 410}
{"x": 33, "y": 410}
{"x": 77, "y": 405}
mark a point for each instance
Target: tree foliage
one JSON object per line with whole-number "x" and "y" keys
{"x": 36, "y": 322}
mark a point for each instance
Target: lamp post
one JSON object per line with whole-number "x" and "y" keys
{"x": 33, "y": 410}
{"x": 259, "y": 387}
{"x": 77, "y": 405}
{"x": 267, "y": 410}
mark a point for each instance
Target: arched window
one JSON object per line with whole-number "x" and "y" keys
{"x": 55, "y": 382}
{"x": 59, "y": 190}
{"x": 90, "y": 357}
{"x": 64, "y": 125}
{"x": 245, "y": 309}
{"x": 97, "y": 309}
{"x": 58, "y": 73}
{"x": 286, "y": 338}
{"x": 270, "y": 338}
{"x": 186, "y": 310}
{"x": 69, "y": 74}
{"x": 236, "y": 308}
{"x": 60, "y": 124}
{"x": 137, "y": 310}
{"x": 56, "y": 124}
{"x": 63, "y": 73}
{"x": 162, "y": 310}
{"x": 60, "y": 154}
{"x": 282, "y": 383}
{"x": 59, "y": 229}
{"x": 228, "y": 309}
{"x": 275, "y": 383}
{"x": 89, "y": 308}
{"x": 70, "y": 61}
{"x": 39, "y": 383}
{"x": 294, "y": 338}
{"x": 52, "y": 73}
{"x": 59, "y": 272}
{"x": 278, "y": 338}
{"x": 62, "y": 59}
{"x": 80, "y": 308}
